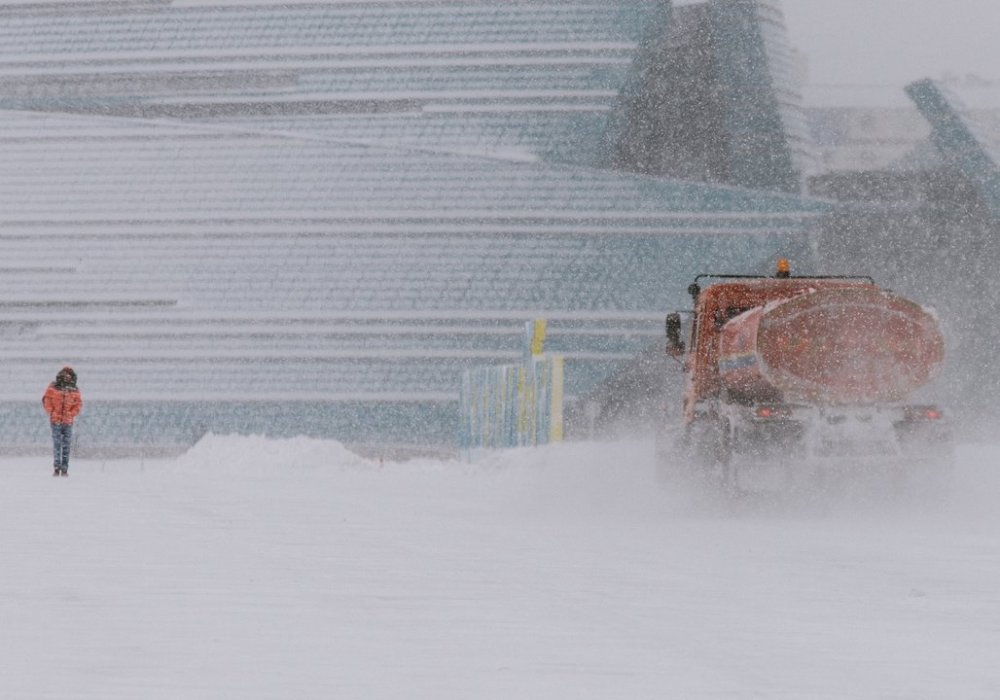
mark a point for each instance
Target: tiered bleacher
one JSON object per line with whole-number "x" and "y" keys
{"x": 309, "y": 219}
{"x": 535, "y": 77}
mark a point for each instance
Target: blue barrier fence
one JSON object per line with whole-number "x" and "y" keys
{"x": 513, "y": 405}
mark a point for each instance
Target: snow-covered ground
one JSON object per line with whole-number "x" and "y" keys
{"x": 250, "y": 568}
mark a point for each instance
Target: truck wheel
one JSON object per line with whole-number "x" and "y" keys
{"x": 668, "y": 461}
{"x": 712, "y": 449}
{"x": 930, "y": 480}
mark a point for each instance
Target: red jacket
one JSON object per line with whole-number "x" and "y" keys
{"x": 62, "y": 405}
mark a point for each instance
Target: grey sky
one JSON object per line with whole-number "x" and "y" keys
{"x": 893, "y": 42}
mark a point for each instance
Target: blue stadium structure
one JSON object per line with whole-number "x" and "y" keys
{"x": 720, "y": 101}
{"x": 309, "y": 219}
{"x": 966, "y": 147}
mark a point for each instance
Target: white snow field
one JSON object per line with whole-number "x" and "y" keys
{"x": 250, "y": 568}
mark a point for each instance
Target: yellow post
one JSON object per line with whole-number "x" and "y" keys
{"x": 538, "y": 337}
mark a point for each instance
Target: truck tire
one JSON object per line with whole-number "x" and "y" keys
{"x": 712, "y": 450}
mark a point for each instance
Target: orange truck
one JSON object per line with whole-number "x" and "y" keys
{"x": 790, "y": 371}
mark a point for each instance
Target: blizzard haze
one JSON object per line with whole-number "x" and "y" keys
{"x": 258, "y": 569}
{"x": 894, "y": 42}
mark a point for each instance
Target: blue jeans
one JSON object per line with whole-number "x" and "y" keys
{"x": 62, "y": 433}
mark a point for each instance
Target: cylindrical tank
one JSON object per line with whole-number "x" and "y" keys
{"x": 854, "y": 345}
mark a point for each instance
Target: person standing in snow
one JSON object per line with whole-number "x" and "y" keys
{"x": 62, "y": 401}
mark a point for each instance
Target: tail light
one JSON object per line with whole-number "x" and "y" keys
{"x": 772, "y": 412}
{"x": 922, "y": 413}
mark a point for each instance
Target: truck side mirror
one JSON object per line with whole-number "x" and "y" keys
{"x": 675, "y": 346}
